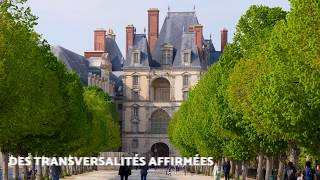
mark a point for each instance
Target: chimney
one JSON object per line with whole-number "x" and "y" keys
{"x": 106, "y": 63}
{"x": 198, "y": 31}
{"x": 224, "y": 38}
{"x": 111, "y": 34}
{"x": 191, "y": 29}
{"x": 153, "y": 27}
{"x": 130, "y": 31}
{"x": 99, "y": 40}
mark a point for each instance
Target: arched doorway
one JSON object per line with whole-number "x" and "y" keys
{"x": 160, "y": 150}
{"x": 161, "y": 90}
{"x": 159, "y": 122}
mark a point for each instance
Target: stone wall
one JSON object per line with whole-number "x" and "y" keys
{"x": 147, "y": 106}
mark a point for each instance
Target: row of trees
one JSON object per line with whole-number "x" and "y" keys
{"x": 262, "y": 98}
{"x": 44, "y": 109}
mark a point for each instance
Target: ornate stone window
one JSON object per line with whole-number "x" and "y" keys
{"x": 159, "y": 122}
{"x": 120, "y": 107}
{"x": 185, "y": 95}
{"x": 136, "y": 56}
{"x": 135, "y": 112}
{"x": 161, "y": 90}
{"x": 186, "y": 81}
{"x": 186, "y": 56}
{"x": 167, "y": 54}
{"x": 135, "y": 127}
{"x": 135, "y": 143}
{"x": 135, "y": 81}
{"x": 135, "y": 95}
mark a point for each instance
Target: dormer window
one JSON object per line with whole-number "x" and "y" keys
{"x": 186, "y": 56}
{"x": 167, "y": 54}
{"x": 166, "y": 57}
{"x": 136, "y": 56}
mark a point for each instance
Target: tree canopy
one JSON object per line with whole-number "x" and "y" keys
{"x": 263, "y": 93}
{"x": 44, "y": 109}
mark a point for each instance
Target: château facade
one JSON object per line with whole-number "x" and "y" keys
{"x": 150, "y": 83}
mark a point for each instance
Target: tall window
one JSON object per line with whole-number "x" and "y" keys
{"x": 135, "y": 80}
{"x": 136, "y": 57}
{"x": 135, "y": 95}
{"x": 119, "y": 107}
{"x": 135, "y": 127}
{"x": 159, "y": 122}
{"x": 135, "y": 112}
{"x": 167, "y": 54}
{"x": 186, "y": 56}
{"x": 166, "y": 57}
{"x": 185, "y": 80}
{"x": 185, "y": 95}
{"x": 161, "y": 89}
{"x": 135, "y": 143}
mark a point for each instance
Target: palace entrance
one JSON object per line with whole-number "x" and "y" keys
{"x": 160, "y": 150}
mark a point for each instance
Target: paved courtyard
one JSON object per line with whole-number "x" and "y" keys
{"x": 159, "y": 174}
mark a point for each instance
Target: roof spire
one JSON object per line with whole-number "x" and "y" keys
{"x": 210, "y": 36}
{"x": 144, "y": 30}
{"x": 168, "y": 8}
{"x": 194, "y": 7}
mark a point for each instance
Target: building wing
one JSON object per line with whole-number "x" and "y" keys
{"x": 73, "y": 61}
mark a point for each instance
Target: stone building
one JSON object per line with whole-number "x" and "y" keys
{"x": 158, "y": 72}
{"x": 153, "y": 79}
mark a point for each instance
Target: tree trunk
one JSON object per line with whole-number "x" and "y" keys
{"x": 74, "y": 170}
{"x": 40, "y": 173}
{"x": 237, "y": 170}
{"x": 220, "y": 164}
{"x": 62, "y": 172}
{"x": 5, "y": 168}
{"x": 65, "y": 170}
{"x": 294, "y": 153}
{"x": 16, "y": 171}
{"x": 268, "y": 167}
{"x": 25, "y": 172}
{"x": 259, "y": 170}
{"x": 245, "y": 170}
{"x": 33, "y": 168}
{"x": 281, "y": 168}
{"x": 47, "y": 172}
{"x": 233, "y": 168}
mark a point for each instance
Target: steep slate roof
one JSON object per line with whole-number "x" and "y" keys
{"x": 214, "y": 54}
{"x": 140, "y": 43}
{"x": 172, "y": 31}
{"x": 115, "y": 54}
{"x": 74, "y": 62}
{"x": 116, "y": 76}
{"x": 187, "y": 42}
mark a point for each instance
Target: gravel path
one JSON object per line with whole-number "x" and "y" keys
{"x": 159, "y": 174}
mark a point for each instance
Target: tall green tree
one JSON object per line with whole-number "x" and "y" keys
{"x": 218, "y": 127}
{"x": 287, "y": 97}
{"x": 43, "y": 108}
{"x": 32, "y": 103}
{"x": 103, "y": 133}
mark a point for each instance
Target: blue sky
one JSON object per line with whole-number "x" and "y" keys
{"x": 70, "y": 23}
